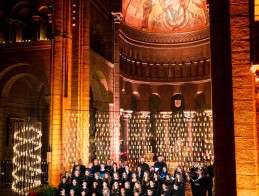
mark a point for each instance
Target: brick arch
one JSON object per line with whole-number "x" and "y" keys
{"x": 154, "y": 103}
{"x": 30, "y": 86}
{"x": 19, "y": 5}
{"x": 12, "y": 73}
{"x": 99, "y": 86}
{"x": 135, "y": 101}
{"x": 96, "y": 90}
{"x": 102, "y": 79}
{"x": 27, "y": 82}
{"x": 11, "y": 82}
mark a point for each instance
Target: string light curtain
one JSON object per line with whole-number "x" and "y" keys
{"x": 70, "y": 139}
{"x": 162, "y": 124}
{"x": 74, "y": 146}
{"x": 102, "y": 136}
{"x": 27, "y": 157}
{"x": 202, "y": 136}
{"x": 139, "y": 137}
{"x": 181, "y": 137}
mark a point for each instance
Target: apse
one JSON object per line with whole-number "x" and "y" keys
{"x": 165, "y": 52}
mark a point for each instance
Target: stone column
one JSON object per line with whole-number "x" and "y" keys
{"x": 18, "y": 30}
{"x": 15, "y": 30}
{"x": 244, "y": 100}
{"x": 115, "y": 142}
{"x": 36, "y": 27}
{"x": 57, "y": 95}
{"x": 190, "y": 115}
{"x": 222, "y": 98}
{"x": 11, "y": 37}
{"x": 82, "y": 58}
{"x": 125, "y": 127}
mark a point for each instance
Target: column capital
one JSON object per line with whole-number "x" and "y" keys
{"x": 165, "y": 114}
{"x": 143, "y": 114}
{"x": 189, "y": 114}
{"x": 127, "y": 114}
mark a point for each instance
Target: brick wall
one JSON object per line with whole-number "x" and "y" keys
{"x": 246, "y": 140}
{"x": 236, "y": 146}
{"x": 24, "y": 81}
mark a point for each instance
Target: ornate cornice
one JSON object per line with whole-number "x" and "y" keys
{"x": 164, "y": 72}
{"x": 130, "y": 33}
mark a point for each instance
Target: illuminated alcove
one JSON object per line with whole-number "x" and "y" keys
{"x": 165, "y": 59}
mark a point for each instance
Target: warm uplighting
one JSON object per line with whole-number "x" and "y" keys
{"x": 74, "y": 144}
{"x": 256, "y": 10}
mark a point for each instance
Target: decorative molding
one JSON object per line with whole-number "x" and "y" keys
{"x": 173, "y": 83}
{"x": 131, "y": 33}
{"x": 166, "y": 115}
{"x": 26, "y": 46}
{"x": 143, "y": 114}
{"x": 189, "y": 114}
{"x": 164, "y": 72}
{"x": 126, "y": 113}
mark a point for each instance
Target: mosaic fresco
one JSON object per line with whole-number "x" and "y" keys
{"x": 166, "y": 16}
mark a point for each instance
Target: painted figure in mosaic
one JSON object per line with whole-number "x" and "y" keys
{"x": 147, "y": 9}
{"x": 173, "y": 14}
{"x": 203, "y": 5}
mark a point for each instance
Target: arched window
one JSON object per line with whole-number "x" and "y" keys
{"x": 199, "y": 101}
{"x": 134, "y": 102}
{"x": 154, "y": 103}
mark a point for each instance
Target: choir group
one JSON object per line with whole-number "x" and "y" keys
{"x": 109, "y": 179}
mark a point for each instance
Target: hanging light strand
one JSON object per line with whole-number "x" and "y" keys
{"x": 27, "y": 157}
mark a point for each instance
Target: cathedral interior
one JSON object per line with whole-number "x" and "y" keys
{"x": 127, "y": 79}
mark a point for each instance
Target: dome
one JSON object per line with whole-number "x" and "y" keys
{"x": 165, "y": 16}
